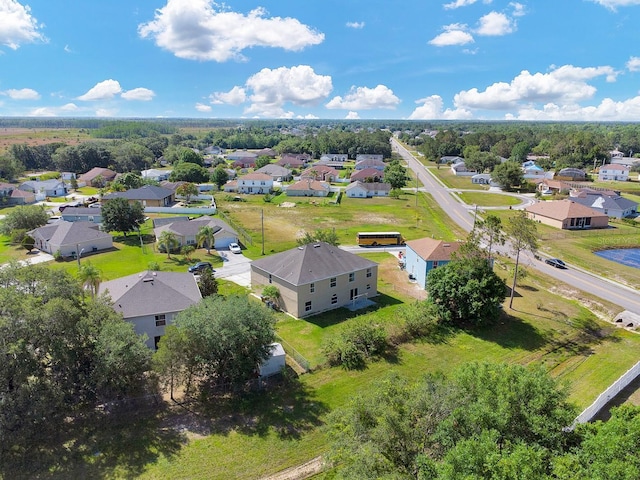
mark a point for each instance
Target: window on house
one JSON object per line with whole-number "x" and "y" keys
{"x": 352, "y": 276}
{"x": 270, "y": 279}
{"x": 333, "y": 282}
{"x": 435, "y": 264}
{"x": 307, "y": 306}
{"x": 156, "y": 340}
{"x": 368, "y": 272}
{"x": 368, "y": 286}
{"x": 161, "y": 320}
{"x": 334, "y": 299}
{"x": 573, "y": 222}
{"x": 312, "y": 287}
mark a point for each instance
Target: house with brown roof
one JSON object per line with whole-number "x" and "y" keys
{"x": 367, "y": 175}
{"x": 425, "y": 254}
{"x": 308, "y": 188}
{"x": 255, "y": 183}
{"x": 294, "y": 160}
{"x": 321, "y": 172}
{"x": 151, "y": 300}
{"x": 316, "y": 277}
{"x": 90, "y": 177}
{"x": 549, "y": 187}
{"x": 614, "y": 172}
{"x": 567, "y": 215}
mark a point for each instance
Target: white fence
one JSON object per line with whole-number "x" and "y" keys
{"x": 605, "y": 397}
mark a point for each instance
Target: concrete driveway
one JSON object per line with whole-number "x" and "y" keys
{"x": 236, "y": 268}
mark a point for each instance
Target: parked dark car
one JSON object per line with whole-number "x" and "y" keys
{"x": 199, "y": 267}
{"x": 555, "y": 262}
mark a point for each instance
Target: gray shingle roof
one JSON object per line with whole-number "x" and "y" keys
{"x": 148, "y": 192}
{"x": 68, "y": 233}
{"x": 152, "y": 293}
{"x": 310, "y": 263}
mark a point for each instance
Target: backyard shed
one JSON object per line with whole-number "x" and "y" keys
{"x": 275, "y": 363}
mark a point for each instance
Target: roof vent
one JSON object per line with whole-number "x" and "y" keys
{"x": 447, "y": 245}
{"x": 147, "y": 279}
{"x": 316, "y": 245}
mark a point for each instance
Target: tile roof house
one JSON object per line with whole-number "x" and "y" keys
{"x": 90, "y": 177}
{"x": 321, "y": 172}
{"x": 294, "y": 160}
{"x": 255, "y": 183}
{"x": 548, "y": 187}
{"x": 11, "y": 195}
{"x": 308, "y": 188}
{"x": 187, "y": 231}
{"x": 69, "y": 238}
{"x": 368, "y": 174}
{"x": 367, "y": 190}
{"x": 608, "y": 202}
{"x": 567, "y": 214}
{"x": 148, "y": 195}
{"x": 425, "y": 254}
{"x": 316, "y": 277}
{"x": 151, "y": 300}
{"x": 277, "y": 172}
{"x": 614, "y": 172}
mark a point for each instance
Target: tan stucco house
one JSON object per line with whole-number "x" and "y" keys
{"x": 567, "y": 215}
{"x": 315, "y": 278}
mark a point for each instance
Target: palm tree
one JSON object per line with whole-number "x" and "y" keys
{"x": 206, "y": 236}
{"x": 90, "y": 276}
{"x": 168, "y": 240}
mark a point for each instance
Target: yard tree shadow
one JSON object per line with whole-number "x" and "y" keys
{"x": 512, "y": 332}
{"x": 97, "y": 445}
{"x": 286, "y": 405}
{"x": 339, "y": 315}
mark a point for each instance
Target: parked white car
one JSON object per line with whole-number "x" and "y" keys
{"x": 235, "y": 248}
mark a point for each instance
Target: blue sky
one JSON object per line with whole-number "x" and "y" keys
{"x": 371, "y": 59}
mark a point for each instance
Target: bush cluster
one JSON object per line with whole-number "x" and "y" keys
{"x": 357, "y": 343}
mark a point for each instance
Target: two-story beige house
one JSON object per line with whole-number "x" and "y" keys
{"x": 255, "y": 183}
{"x": 316, "y": 277}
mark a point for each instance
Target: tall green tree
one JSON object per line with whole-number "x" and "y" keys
{"x": 167, "y": 241}
{"x": 508, "y": 174}
{"x": 219, "y": 176}
{"x": 328, "y": 235}
{"x": 396, "y": 175}
{"x": 490, "y": 230}
{"x": 523, "y": 236}
{"x": 90, "y": 276}
{"x": 225, "y": 339}
{"x": 189, "y": 172}
{"x": 466, "y": 291}
{"x": 121, "y": 216}
{"x": 206, "y": 237}
{"x": 187, "y": 190}
{"x": 24, "y": 217}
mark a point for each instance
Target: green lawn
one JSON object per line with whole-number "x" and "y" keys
{"x": 488, "y": 199}
{"x": 454, "y": 181}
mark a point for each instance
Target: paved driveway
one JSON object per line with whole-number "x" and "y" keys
{"x": 236, "y": 268}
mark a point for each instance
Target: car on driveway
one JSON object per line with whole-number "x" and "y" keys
{"x": 235, "y": 248}
{"x": 199, "y": 267}
{"x": 555, "y": 262}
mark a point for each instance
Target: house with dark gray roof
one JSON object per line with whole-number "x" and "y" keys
{"x": 608, "y": 202}
{"x": 69, "y": 238}
{"x": 148, "y": 195}
{"x": 276, "y": 172}
{"x": 151, "y": 300}
{"x": 187, "y": 232}
{"x": 316, "y": 277}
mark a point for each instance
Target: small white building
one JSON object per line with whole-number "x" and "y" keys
{"x": 614, "y": 172}
{"x": 275, "y": 363}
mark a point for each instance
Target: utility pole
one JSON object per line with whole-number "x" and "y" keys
{"x": 262, "y": 228}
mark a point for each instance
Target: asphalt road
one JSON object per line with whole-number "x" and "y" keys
{"x": 627, "y": 298}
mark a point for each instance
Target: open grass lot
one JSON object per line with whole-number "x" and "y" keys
{"x": 40, "y": 136}
{"x": 631, "y": 186}
{"x": 488, "y": 199}
{"x": 283, "y": 428}
{"x": 283, "y": 225}
{"x": 454, "y": 181}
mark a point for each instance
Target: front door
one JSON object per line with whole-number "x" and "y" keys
{"x": 354, "y": 293}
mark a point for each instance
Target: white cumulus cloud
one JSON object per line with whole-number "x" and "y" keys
{"x": 564, "y": 85}
{"x": 431, "y": 108}
{"x": 364, "y": 98}
{"x": 461, "y": 3}
{"x": 271, "y": 89}
{"x": 235, "y": 96}
{"x": 104, "y": 90}
{"x": 140, "y": 94}
{"x": 495, "y": 24}
{"x": 352, "y": 116}
{"x": 21, "y": 94}
{"x": 614, "y": 4}
{"x": 633, "y": 64}
{"x": 204, "y": 30}
{"x": 201, "y": 107}
{"x": 454, "y": 34}
{"x": 17, "y": 25}
{"x": 356, "y": 25}
{"x": 607, "y": 110}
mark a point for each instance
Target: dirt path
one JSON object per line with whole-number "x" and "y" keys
{"x": 300, "y": 472}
